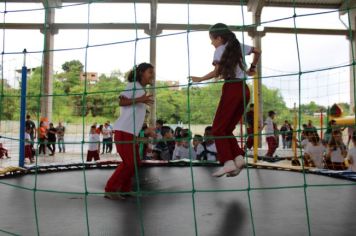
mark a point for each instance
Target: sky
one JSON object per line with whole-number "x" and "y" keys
{"x": 279, "y": 51}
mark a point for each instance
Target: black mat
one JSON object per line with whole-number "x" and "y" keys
{"x": 332, "y": 210}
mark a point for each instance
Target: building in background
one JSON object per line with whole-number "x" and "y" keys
{"x": 91, "y": 77}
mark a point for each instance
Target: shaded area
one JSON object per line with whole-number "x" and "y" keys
{"x": 167, "y": 206}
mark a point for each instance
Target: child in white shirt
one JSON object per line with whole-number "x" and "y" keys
{"x": 93, "y": 149}
{"x": 351, "y": 157}
{"x": 270, "y": 135}
{"x": 314, "y": 152}
{"x": 28, "y": 145}
{"x": 336, "y": 152}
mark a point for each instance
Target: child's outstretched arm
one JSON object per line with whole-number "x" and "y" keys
{"x": 210, "y": 75}
{"x": 146, "y": 99}
{"x": 256, "y": 57}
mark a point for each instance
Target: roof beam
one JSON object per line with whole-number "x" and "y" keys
{"x": 145, "y": 26}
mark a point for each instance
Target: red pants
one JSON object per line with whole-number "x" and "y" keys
{"x": 230, "y": 110}
{"x": 28, "y": 152}
{"x": 93, "y": 155}
{"x": 250, "y": 137}
{"x": 121, "y": 179}
{"x": 272, "y": 146}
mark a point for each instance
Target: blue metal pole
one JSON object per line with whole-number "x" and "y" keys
{"x": 23, "y": 112}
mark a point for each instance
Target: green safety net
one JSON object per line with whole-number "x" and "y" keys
{"x": 240, "y": 26}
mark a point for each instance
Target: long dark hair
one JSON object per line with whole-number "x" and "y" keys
{"x": 137, "y": 72}
{"x": 232, "y": 55}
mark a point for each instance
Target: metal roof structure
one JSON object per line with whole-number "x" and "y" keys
{"x": 153, "y": 29}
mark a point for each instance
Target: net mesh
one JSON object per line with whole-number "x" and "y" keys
{"x": 84, "y": 99}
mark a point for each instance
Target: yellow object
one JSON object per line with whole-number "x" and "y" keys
{"x": 344, "y": 121}
{"x": 294, "y": 139}
{"x": 256, "y": 125}
{"x": 11, "y": 169}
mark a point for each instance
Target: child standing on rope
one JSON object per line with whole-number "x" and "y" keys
{"x": 229, "y": 65}
{"x": 127, "y": 127}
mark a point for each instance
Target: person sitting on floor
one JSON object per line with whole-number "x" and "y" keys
{"x": 3, "y": 152}
{"x": 162, "y": 150}
{"x": 93, "y": 149}
{"x": 184, "y": 150}
{"x": 314, "y": 152}
{"x": 351, "y": 157}
{"x": 336, "y": 152}
{"x": 207, "y": 150}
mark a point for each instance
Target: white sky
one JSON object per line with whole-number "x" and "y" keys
{"x": 279, "y": 50}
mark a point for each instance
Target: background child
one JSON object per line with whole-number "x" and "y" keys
{"x": 229, "y": 65}
{"x": 3, "y": 152}
{"x": 42, "y": 138}
{"x": 185, "y": 150}
{"x": 51, "y": 134}
{"x": 93, "y": 149}
{"x": 207, "y": 150}
{"x": 336, "y": 152}
{"x": 249, "y": 122}
{"x": 162, "y": 150}
{"x": 270, "y": 135}
{"x": 127, "y": 127}
{"x": 28, "y": 145}
{"x": 351, "y": 157}
{"x": 314, "y": 152}
{"x": 60, "y": 137}
{"x": 197, "y": 139}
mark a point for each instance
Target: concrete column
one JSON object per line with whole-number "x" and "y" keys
{"x": 153, "y": 33}
{"x": 47, "y": 86}
{"x": 352, "y": 54}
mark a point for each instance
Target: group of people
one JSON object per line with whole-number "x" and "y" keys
{"x": 330, "y": 152}
{"x": 100, "y": 134}
{"x": 168, "y": 144}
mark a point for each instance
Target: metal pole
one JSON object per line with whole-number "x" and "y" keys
{"x": 321, "y": 124}
{"x": 256, "y": 118}
{"x": 23, "y": 111}
{"x": 153, "y": 34}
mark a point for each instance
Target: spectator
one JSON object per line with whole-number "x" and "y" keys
{"x": 329, "y": 129}
{"x": 290, "y": 136}
{"x": 3, "y": 152}
{"x": 28, "y": 145}
{"x": 197, "y": 140}
{"x": 336, "y": 152}
{"x": 270, "y": 134}
{"x": 207, "y": 150}
{"x": 60, "y": 137}
{"x": 249, "y": 122}
{"x": 311, "y": 127}
{"x": 159, "y": 124}
{"x": 51, "y": 134}
{"x": 351, "y": 157}
{"x": 162, "y": 151}
{"x": 111, "y": 136}
{"x": 350, "y": 132}
{"x": 107, "y": 133}
{"x": 285, "y": 129}
{"x": 32, "y": 126}
{"x": 314, "y": 152}
{"x": 42, "y": 138}
{"x": 304, "y": 132}
{"x": 184, "y": 150}
{"x": 93, "y": 147}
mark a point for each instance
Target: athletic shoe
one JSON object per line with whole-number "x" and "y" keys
{"x": 229, "y": 167}
{"x": 240, "y": 164}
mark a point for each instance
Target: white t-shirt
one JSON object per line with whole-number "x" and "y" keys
{"x": 210, "y": 148}
{"x": 269, "y": 127}
{"x": 126, "y": 121}
{"x": 107, "y": 132}
{"x": 352, "y": 156}
{"x": 304, "y": 143}
{"x": 219, "y": 51}
{"x": 94, "y": 139}
{"x": 336, "y": 156}
{"x": 28, "y": 138}
{"x": 181, "y": 152}
{"x": 316, "y": 153}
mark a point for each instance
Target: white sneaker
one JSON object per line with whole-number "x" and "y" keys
{"x": 240, "y": 164}
{"x": 228, "y": 168}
